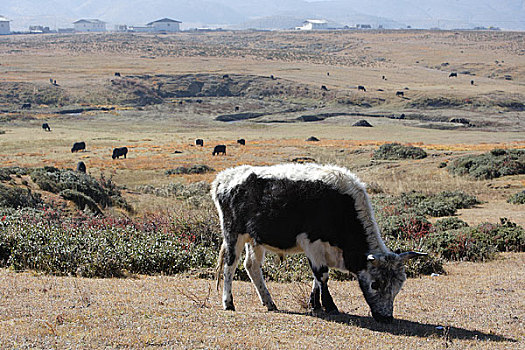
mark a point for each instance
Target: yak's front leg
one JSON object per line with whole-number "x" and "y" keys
{"x": 321, "y": 287}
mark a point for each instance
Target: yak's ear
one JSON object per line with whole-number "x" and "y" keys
{"x": 373, "y": 259}
{"x": 409, "y": 255}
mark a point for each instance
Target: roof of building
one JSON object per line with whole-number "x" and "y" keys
{"x": 316, "y": 21}
{"x": 94, "y": 21}
{"x": 3, "y": 19}
{"x": 164, "y": 20}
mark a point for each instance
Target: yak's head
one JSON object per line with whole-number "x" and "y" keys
{"x": 381, "y": 281}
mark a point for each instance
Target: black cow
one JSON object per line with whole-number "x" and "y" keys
{"x": 241, "y": 142}
{"x": 219, "y": 149}
{"x": 46, "y": 127}
{"x": 117, "y": 74}
{"x": 323, "y": 87}
{"x": 199, "y": 142}
{"x": 81, "y": 167}
{"x": 78, "y": 146}
{"x": 472, "y": 82}
{"x": 237, "y": 108}
{"x": 400, "y": 93}
{"x": 26, "y": 106}
{"x": 453, "y": 74}
{"x": 361, "y": 87}
{"x": 323, "y": 211}
{"x": 119, "y": 152}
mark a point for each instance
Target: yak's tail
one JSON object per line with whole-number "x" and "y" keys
{"x": 220, "y": 266}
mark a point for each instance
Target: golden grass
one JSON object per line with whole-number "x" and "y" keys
{"x": 475, "y": 306}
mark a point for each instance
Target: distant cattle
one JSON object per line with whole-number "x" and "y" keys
{"x": 312, "y": 139}
{"x": 26, "y": 106}
{"x": 225, "y": 76}
{"x": 219, "y": 149}
{"x": 50, "y": 80}
{"x": 199, "y": 142}
{"x": 117, "y": 74}
{"x": 361, "y": 87}
{"x": 400, "y": 93}
{"x": 241, "y": 142}
{"x": 323, "y": 87}
{"x": 78, "y": 146}
{"x": 383, "y": 77}
{"x": 472, "y": 82}
{"x": 328, "y": 73}
{"x": 237, "y": 108}
{"x": 119, "y": 152}
{"x": 46, "y": 127}
{"x": 81, "y": 167}
{"x": 272, "y": 77}
{"x": 453, "y": 74}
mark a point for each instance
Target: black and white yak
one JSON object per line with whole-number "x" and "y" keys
{"x": 321, "y": 210}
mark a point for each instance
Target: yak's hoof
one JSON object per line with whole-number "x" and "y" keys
{"x": 271, "y": 307}
{"x": 229, "y": 307}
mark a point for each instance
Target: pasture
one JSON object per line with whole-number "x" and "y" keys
{"x": 176, "y": 88}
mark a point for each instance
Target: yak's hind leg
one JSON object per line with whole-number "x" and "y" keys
{"x": 252, "y": 263}
{"x": 232, "y": 253}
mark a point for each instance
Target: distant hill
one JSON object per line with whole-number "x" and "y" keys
{"x": 271, "y": 14}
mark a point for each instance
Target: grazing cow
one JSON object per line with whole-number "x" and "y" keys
{"x": 50, "y": 80}
{"x": 237, "y": 108}
{"x": 472, "y": 82}
{"x": 241, "y": 142}
{"x": 26, "y": 106}
{"x": 400, "y": 93}
{"x": 81, "y": 167}
{"x": 78, "y": 146}
{"x": 199, "y": 142}
{"x": 46, "y": 127}
{"x": 272, "y": 77}
{"x": 219, "y": 149}
{"x": 328, "y": 73}
{"x": 323, "y": 211}
{"x": 453, "y": 74}
{"x": 383, "y": 77}
{"x": 323, "y": 87}
{"x": 361, "y": 87}
{"x": 117, "y": 74}
{"x": 225, "y": 76}
{"x": 119, "y": 152}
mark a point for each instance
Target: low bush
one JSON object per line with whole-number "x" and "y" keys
{"x": 195, "y": 169}
{"x": 106, "y": 247}
{"x": 15, "y": 197}
{"x": 5, "y": 173}
{"x": 493, "y": 164}
{"x": 517, "y": 198}
{"x": 79, "y": 187}
{"x": 394, "y": 151}
{"x": 452, "y": 223}
{"x": 477, "y": 243}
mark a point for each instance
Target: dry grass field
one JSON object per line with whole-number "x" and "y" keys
{"x": 172, "y": 88}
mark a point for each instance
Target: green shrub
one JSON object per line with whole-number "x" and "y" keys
{"x": 79, "y": 187}
{"x": 452, "y": 223}
{"x": 394, "y": 151}
{"x": 14, "y": 197}
{"x": 5, "y": 173}
{"x": 195, "y": 169}
{"x": 460, "y": 244}
{"x": 493, "y": 164}
{"x": 517, "y": 198}
{"x": 81, "y": 200}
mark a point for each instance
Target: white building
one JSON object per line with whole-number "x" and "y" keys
{"x": 4, "y": 26}
{"x": 165, "y": 25}
{"x": 313, "y": 24}
{"x": 89, "y": 25}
